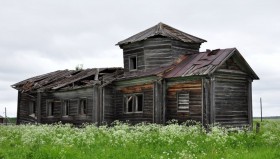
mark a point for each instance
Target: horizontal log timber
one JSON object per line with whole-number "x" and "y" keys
{"x": 193, "y": 87}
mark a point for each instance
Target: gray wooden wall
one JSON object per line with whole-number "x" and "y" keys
{"x": 146, "y": 115}
{"x": 155, "y": 52}
{"x": 194, "y": 88}
{"x": 23, "y": 114}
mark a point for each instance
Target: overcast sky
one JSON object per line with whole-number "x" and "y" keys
{"x": 37, "y": 37}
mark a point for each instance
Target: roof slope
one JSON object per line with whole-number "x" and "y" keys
{"x": 196, "y": 64}
{"x": 163, "y": 30}
{"x": 206, "y": 63}
{"x": 63, "y": 79}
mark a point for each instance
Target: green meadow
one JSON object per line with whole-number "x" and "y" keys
{"x": 141, "y": 141}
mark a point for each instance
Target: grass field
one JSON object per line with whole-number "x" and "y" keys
{"x": 139, "y": 141}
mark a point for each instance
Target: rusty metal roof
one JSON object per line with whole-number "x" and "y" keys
{"x": 196, "y": 64}
{"x": 205, "y": 63}
{"x": 144, "y": 73}
{"x": 63, "y": 79}
{"x": 162, "y": 30}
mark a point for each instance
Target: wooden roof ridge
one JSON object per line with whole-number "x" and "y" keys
{"x": 163, "y": 30}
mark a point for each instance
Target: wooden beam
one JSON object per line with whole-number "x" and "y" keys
{"x": 164, "y": 91}
{"x": 202, "y": 101}
{"x": 95, "y": 106}
{"x": 250, "y": 114}
{"x": 38, "y": 102}
{"x": 101, "y": 105}
{"x": 212, "y": 100}
{"x": 18, "y": 108}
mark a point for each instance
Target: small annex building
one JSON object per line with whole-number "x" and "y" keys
{"x": 165, "y": 77}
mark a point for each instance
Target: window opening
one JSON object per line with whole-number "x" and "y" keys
{"x": 183, "y": 99}
{"x": 32, "y": 108}
{"x": 133, "y": 63}
{"x": 66, "y": 108}
{"x": 83, "y": 106}
{"x": 50, "y": 108}
{"x": 133, "y": 103}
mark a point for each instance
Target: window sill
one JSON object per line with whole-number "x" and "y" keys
{"x": 65, "y": 116}
{"x": 133, "y": 70}
{"x": 32, "y": 115}
{"x": 133, "y": 112}
{"x": 183, "y": 111}
{"x": 50, "y": 116}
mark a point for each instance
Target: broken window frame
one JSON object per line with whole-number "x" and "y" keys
{"x": 50, "y": 108}
{"x": 183, "y": 105}
{"x": 132, "y": 63}
{"x": 134, "y": 99}
{"x": 32, "y": 108}
{"x": 66, "y": 108}
{"x": 83, "y": 106}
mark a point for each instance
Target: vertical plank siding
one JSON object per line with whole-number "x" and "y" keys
{"x": 146, "y": 115}
{"x": 206, "y": 101}
{"x": 109, "y": 108}
{"x": 195, "y": 104}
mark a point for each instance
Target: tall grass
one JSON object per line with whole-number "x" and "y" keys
{"x": 138, "y": 141}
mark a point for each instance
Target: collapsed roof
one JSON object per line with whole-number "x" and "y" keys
{"x": 69, "y": 79}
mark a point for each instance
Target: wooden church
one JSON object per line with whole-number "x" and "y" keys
{"x": 165, "y": 77}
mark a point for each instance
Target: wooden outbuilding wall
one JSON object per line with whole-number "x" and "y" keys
{"x": 194, "y": 88}
{"x": 135, "y": 117}
{"x": 23, "y": 114}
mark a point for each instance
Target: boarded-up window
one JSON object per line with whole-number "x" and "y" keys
{"x": 183, "y": 99}
{"x": 83, "y": 106}
{"x": 132, "y": 63}
{"x": 32, "y": 108}
{"x": 50, "y": 108}
{"x": 133, "y": 103}
{"x": 65, "y": 108}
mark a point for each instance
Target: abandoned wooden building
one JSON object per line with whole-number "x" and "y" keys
{"x": 165, "y": 77}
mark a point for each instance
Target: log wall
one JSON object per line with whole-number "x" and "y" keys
{"x": 74, "y": 97}
{"x": 155, "y": 52}
{"x": 231, "y": 99}
{"x": 23, "y": 108}
{"x": 195, "y": 104}
{"x": 109, "y": 107}
{"x": 146, "y": 115}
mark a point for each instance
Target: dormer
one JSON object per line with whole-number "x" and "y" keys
{"x": 157, "y": 46}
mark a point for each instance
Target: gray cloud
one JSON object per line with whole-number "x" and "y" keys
{"x": 42, "y": 36}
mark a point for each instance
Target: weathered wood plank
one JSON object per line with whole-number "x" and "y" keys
{"x": 195, "y": 100}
